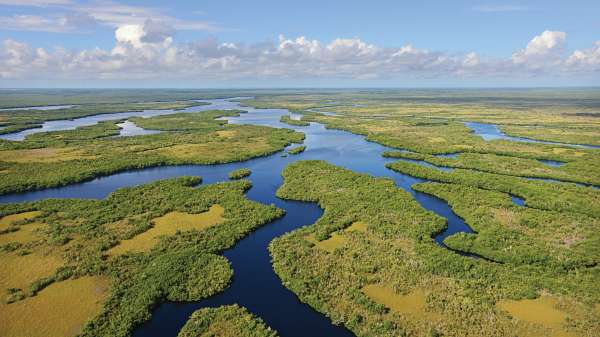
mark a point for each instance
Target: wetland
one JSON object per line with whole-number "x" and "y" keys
{"x": 432, "y": 239}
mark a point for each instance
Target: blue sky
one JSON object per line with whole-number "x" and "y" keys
{"x": 342, "y": 43}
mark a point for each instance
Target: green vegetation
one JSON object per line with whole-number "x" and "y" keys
{"x": 538, "y": 194}
{"x": 579, "y": 171}
{"x": 367, "y": 282}
{"x": 239, "y": 173}
{"x": 295, "y": 122}
{"x": 17, "y": 120}
{"x": 181, "y": 266}
{"x": 225, "y": 321}
{"x": 59, "y": 158}
{"x": 296, "y": 149}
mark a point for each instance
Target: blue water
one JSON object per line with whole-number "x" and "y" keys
{"x": 552, "y": 163}
{"x": 71, "y": 124}
{"x": 448, "y": 155}
{"x": 491, "y": 132}
{"x": 45, "y": 108}
{"x": 517, "y": 201}
{"x": 129, "y": 129}
{"x": 255, "y": 285}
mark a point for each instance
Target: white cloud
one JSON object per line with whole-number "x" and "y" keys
{"x": 35, "y": 3}
{"x": 70, "y": 17}
{"x": 147, "y": 51}
{"x": 588, "y": 59}
{"x": 542, "y": 49}
{"x": 68, "y": 23}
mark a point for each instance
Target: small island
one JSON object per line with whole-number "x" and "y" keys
{"x": 239, "y": 173}
{"x": 297, "y": 149}
{"x": 295, "y": 122}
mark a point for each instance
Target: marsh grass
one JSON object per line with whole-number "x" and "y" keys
{"x": 23, "y": 234}
{"x": 61, "y": 309}
{"x": 43, "y": 155}
{"x": 337, "y": 239}
{"x": 412, "y": 303}
{"x": 167, "y": 225}
{"x": 19, "y": 271}
{"x": 8, "y": 220}
{"x": 543, "y": 315}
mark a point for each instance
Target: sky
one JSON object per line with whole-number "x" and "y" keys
{"x": 222, "y": 43}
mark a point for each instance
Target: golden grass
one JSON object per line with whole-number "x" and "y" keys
{"x": 213, "y": 151}
{"x": 227, "y": 133}
{"x": 45, "y": 155}
{"x": 169, "y": 224}
{"x": 19, "y": 271}
{"x": 337, "y": 240}
{"x": 545, "y": 318}
{"x": 26, "y": 233}
{"x": 436, "y": 140}
{"x": 11, "y": 219}
{"x": 507, "y": 217}
{"x": 412, "y": 304}
{"x": 357, "y": 227}
{"x": 334, "y": 242}
{"x": 59, "y": 310}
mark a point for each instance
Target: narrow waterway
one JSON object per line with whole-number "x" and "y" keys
{"x": 42, "y": 107}
{"x": 255, "y": 285}
{"x": 71, "y": 124}
{"x": 492, "y": 132}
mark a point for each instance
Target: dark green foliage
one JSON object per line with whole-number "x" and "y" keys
{"x": 225, "y": 321}
{"x": 297, "y": 149}
{"x": 538, "y": 194}
{"x": 199, "y": 121}
{"x": 239, "y": 173}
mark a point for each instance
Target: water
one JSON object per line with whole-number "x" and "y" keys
{"x": 552, "y": 163}
{"x": 255, "y": 285}
{"x": 448, "y": 155}
{"x": 45, "y": 108}
{"x": 71, "y": 124}
{"x": 491, "y": 132}
{"x": 517, "y": 201}
{"x": 129, "y": 129}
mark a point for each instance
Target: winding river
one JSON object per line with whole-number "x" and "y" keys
{"x": 491, "y": 132}
{"x": 255, "y": 285}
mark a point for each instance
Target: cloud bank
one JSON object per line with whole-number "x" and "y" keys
{"x": 148, "y": 51}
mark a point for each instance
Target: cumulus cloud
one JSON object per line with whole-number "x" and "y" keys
{"x": 542, "y": 49}
{"x": 147, "y": 50}
{"x": 588, "y": 59}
